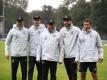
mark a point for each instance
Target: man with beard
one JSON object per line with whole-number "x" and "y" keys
{"x": 89, "y": 50}
{"x": 69, "y": 35}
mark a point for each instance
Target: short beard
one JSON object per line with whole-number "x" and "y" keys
{"x": 51, "y": 31}
{"x": 68, "y": 25}
{"x": 36, "y": 24}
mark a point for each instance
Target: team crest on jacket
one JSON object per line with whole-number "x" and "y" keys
{"x": 71, "y": 32}
{"x": 82, "y": 39}
{"x": 15, "y": 36}
{"x": 64, "y": 35}
{"x": 90, "y": 36}
{"x": 31, "y": 34}
{"x": 54, "y": 35}
{"x": 45, "y": 38}
{"x": 39, "y": 32}
{"x": 24, "y": 33}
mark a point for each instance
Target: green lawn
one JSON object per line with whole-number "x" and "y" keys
{"x": 5, "y": 70}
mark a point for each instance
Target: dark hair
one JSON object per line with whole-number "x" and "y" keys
{"x": 88, "y": 20}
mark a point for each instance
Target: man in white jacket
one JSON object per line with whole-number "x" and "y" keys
{"x": 34, "y": 32}
{"x": 89, "y": 50}
{"x": 16, "y": 46}
{"x": 49, "y": 51}
{"x": 69, "y": 35}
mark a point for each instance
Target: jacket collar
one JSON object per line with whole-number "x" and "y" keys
{"x": 90, "y": 30}
{"x": 38, "y": 27}
{"x": 19, "y": 28}
{"x": 70, "y": 27}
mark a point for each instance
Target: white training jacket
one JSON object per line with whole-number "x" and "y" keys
{"x": 69, "y": 38}
{"x": 16, "y": 42}
{"x": 49, "y": 46}
{"x": 89, "y": 48}
{"x": 34, "y": 34}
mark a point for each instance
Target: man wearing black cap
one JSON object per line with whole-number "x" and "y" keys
{"x": 16, "y": 46}
{"x": 69, "y": 35}
{"x": 48, "y": 51}
{"x": 34, "y": 32}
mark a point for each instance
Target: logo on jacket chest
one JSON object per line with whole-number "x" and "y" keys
{"x": 71, "y": 32}
{"x": 24, "y": 33}
{"x": 45, "y": 38}
{"x": 68, "y": 34}
{"x": 15, "y": 36}
{"x": 54, "y": 35}
{"x": 35, "y": 33}
{"x": 39, "y": 32}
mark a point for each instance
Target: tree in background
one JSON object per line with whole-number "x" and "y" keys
{"x": 1, "y": 7}
{"x": 17, "y": 3}
{"x": 14, "y": 9}
{"x": 80, "y": 11}
{"x": 96, "y": 10}
{"x": 47, "y": 12}
{"x": 99, "y": 14}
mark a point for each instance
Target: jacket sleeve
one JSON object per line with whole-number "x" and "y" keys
{"x": 100, "y": 47}
{"x": 77, "y": 58}
{"x": 39, "y": 50}
{"x": 77, "y": 46}
{"x": 8, "y": 42}
{"x": 61, "y": 56}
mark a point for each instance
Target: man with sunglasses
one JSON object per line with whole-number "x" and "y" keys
{"x": 16, "y": 46}
{"x": 34, "y": 32}
{"x": 89, "y": 50}
{"x": 69, "y": 35}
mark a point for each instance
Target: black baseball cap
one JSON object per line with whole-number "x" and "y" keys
{"x": 36, "y": 17}
{"x": 51, "y": 22}
{"x": 19, "y": 19}
{"x": 66, "y": 18}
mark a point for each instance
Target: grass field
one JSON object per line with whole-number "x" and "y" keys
{"x": 5, "y": 70}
